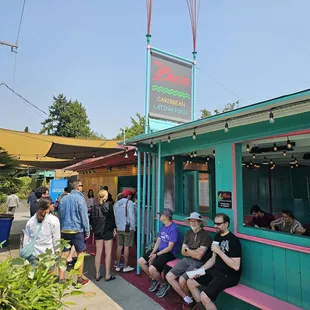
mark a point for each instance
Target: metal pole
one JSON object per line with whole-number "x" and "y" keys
{"x": 153, "y": 195}
{"x": 147, "y": 85}
{"x": 148, "y": 199}
{"x": 143, "y": 203}
{"x": 172, "y": 55}
{"x": 139, "y": 211}
{"x": 194, "y": 87}
{"x": 158, "y": 185}
{"x": 8, "y": 44}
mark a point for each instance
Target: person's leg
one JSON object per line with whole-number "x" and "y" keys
{"x": 155, "y": 275}
{"x": 80, "y": 246}
{"x": 182, "y": 282}
{"x": 108, "y": 257}
{"x": 144, "y": 265}
{"x": 193, "y": 286}
{"x": 99, "y": 247}
{"x": 173, "y": 281}
{"x": 207, "y": 302}
{"x": 72, "y": 252}
{"x": 120, "y": 246}
{"x": 64, "y": 256}
{"x": 128, "y": 242}
{"x": 126, "y": 256}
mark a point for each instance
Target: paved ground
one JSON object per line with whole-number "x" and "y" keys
{"x": 114, "y": 295}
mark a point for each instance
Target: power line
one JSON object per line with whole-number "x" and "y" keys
{"x": 21, "y": 97}
{"x": 20, "y": 22}
{"x": 219, "y": 83}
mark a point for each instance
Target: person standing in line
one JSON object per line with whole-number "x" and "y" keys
{"x": 90, "y": 199}
{"x": 32, "y": 198}
{"x": 222, "y": 270}
{"x": 126, "y": 224}
{"x": 39, "y": 192}
{"x": 49, "y": 235}
{"x": 103, "y": 224}
{"x": 110, "y": 199}
{"x": 12, "y": 202}
{"x": 74, "y": 223}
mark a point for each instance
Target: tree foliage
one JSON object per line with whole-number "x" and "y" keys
{"x": 67, "y": 119}
{"x": 26, "y": 129}
{"x": 228, "y": 107}
{"x": 136, "y": 128}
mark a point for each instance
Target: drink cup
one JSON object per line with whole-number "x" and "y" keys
{"x": 216, "y": 243}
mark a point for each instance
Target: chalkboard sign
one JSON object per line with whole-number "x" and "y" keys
{"x": 224, "y": 200}
{"x": 170, "y": 89}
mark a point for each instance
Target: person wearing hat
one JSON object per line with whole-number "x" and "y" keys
{"x": 196, "y": 249}
{"x": 223, "y": 269}
{"x": 164, "y": 251}
{"x": 124, "y": 218}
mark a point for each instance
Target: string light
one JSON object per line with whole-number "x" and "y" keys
{"x": 195, "y": 154}
{"x": 248, "y": 147}
{"x": 226, "y": 129}
{"x": 169, "y": 139}
{"x": 213, "y": 152}
{"x": 135, "y": 153}
{"x": 208, "y": 158}
{"x": 288, "y": 143}
{"x": 126, "y": 155}
{"x": 18, "y": 156}
{"x": 194, "y": 135}
{"x": 275, "y": 148}
{"x": 172, "y": 157}
{"x": 37, "y": 157}
{"x": 271, "y": 117}
{"x": 265, "y": 162}
{"x": 151, "y": 145}
{"x": 192, "y": 154}
{"x": 94, "y": 155}
{"x": 284, "y": 153}
{"x": 254, "y": 156}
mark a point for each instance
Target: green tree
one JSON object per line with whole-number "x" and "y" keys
{"x": 135, "y": 129}
{"x": 228, "y": 107}
{"x": 26, "y": 129}
{"x": 67, "y": 119}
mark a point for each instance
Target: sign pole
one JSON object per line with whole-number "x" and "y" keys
{"x": 194, "y": 86}
{"x": 147, "y": 86}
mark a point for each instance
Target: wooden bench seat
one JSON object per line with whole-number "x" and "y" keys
{"x": 252, "y": 297}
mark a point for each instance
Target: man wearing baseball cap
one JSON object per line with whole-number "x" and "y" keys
{"x": 196, "y": 249}
{"x": 165, "y": 250}
{"x": 124, "y": 217}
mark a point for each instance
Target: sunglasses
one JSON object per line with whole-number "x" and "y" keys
{"x": 80, "y": 185}
{"x": 218, "y": 224}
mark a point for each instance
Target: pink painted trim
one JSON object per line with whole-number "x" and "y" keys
{"x": 279, "y": 244}
{"x": 208, "y": 228}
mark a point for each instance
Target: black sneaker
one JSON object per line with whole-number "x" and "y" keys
{"x": 154, "y": 286}
{"x": 163, "y": 289}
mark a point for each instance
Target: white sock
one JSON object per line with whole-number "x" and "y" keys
{"x": 188, "y": 299}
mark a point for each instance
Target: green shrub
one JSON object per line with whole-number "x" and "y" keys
{"x": 27, "y": 287}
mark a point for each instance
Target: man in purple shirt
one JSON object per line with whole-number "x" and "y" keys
{"x": 165, "y": 250}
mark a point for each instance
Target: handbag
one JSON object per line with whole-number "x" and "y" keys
{"x": 27, "y": 250}
{"x": 127, "y": 227}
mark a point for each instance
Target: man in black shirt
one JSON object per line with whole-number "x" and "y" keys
{"x": 260, "y": 217}
{"x": 223, "y": 269}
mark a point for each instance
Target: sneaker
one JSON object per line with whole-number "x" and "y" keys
{"x": 117, "y": 269}
{"x": 121, "y": 264}
{"x": 154, "y": 286}
{"x": 163, "y": 289}
{"x": 82, "y": 281}
{"x": 190, "y": 306}
{"x": 128, "y": 269}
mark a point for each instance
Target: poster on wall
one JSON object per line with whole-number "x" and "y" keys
{"x": 170, "y": 89}
{"x": 204, "y": 199}
{"x": 57, "y": 188}
{"x": 224, "y": 200}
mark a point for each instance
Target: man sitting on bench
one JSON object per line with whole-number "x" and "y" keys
{"x": 223, "y": 269}
{"x": 196, "y": 249}
{"x": 165, "y": 250}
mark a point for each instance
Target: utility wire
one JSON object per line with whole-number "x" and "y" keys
{"x": 21, "y": 97}
{"x": 219, "y": 83}
{"x": 20, "y": 22}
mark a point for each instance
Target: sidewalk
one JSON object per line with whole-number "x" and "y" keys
{"x": 114, "y": 295}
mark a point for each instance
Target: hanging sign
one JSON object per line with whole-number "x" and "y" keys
{"x": 170, "y": 89}
{"x": 224, "y": 200}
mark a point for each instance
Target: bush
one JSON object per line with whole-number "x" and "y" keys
{"x": 27, "y": 287}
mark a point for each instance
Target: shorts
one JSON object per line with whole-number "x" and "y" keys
{"x": 186, "y": 264}
{"x": 78, "y": 240}
{"x": 125, "y": 238}
{"x": 104, "y": 236}
{"x": 160, "y": 261}
{"x": 214, "y": 282}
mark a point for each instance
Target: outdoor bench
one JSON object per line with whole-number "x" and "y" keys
{"x": 252, "y": 297}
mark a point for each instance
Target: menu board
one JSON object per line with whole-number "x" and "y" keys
{"x": 204, "y": 192}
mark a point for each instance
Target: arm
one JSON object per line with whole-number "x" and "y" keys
{"x": 56, "y": 234}
{"x": 167, "y": 249}
{"x": 232, "y": 262}
{"x": 17, "y": 202}
{"x": 7, "y": 201}
{"x": 197, "y": 254}
{"x": 131, "y": 215}
{"x": 210, "y": 263}
{"x": 156, "y": 246}
{"x": 296, "y": 227}
{"x": 84, "y": 216}
{"x": 26, "y": 235}
{"x": 277, "y": 222}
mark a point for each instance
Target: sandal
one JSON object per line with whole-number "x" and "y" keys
{"x": 110, "y": 279}
{"x": 98, "y": 278}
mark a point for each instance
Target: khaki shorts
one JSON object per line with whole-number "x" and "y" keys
{"x": 125, "y": 238}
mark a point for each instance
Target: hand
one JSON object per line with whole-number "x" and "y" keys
{"x": 86, "y": 236}
{"x": 301, "y": 230}
{"x": 152, "y": 258}
{"x": 272, "y": 227}
{"x": 114, "y": 233}
{"x": 215, "y": 248}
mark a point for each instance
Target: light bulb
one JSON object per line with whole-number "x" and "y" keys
{"x": 226, "y": 129}
{"x": 169, "y": 139}
{"x": 194, "y": 135}
{"x": 271, "y": 118}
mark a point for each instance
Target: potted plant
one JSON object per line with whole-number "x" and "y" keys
{"x": 8, "y": 184}
{"x": 26, "y": 287}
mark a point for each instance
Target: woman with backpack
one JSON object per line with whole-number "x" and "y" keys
{"x": 104, "y": 228}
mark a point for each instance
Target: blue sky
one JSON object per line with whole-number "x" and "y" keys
{"x": 94, "y": 51}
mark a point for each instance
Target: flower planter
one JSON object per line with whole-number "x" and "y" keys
{"x": 5, "y": 228}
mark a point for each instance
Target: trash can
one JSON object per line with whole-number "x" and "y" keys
{"x": 5, "y": 228}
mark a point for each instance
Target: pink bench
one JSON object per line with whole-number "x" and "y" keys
{"x": 253, "y": 297}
